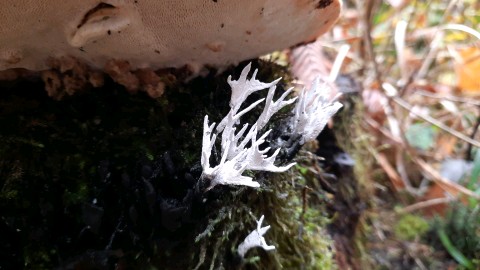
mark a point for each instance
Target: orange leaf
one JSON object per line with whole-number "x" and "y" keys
{"x": 434, "y": 192}
{"x": 467, "y": 69}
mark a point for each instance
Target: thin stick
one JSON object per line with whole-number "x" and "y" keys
{"x": 396, "y": 131}
{"x": 399, "y": 38}
{"x": 374, "y": 124}
{"x": 391, "y": 92}
{"x": 434, "y": 46}
{"x": 444, "y": 183}
{"x": 423, "y": 204}
{"x": 432, "y": 50}
{"x": 337, "y": 64}
{"x": 468, "y": 101}
{"x": 431, "y": 173}
{"x": 367, "y": 19}
{"x": 461, "y": 27}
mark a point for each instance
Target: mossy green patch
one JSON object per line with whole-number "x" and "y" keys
{"x": 461, "y": 230}
{"x": 411, "y": 227}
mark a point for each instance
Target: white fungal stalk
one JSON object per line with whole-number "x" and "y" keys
{"x": 313, "y": 110}
{"x": 236, "y": 157}
{"x": 255, "y": 239}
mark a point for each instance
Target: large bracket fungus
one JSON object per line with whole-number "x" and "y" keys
{"x": 156, "y": 34}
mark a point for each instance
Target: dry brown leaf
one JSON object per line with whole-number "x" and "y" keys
{"x": 434, "y": 192}
{"x": 307, "y": 62}
{"x": 373, "y": 100}
{"x": 445, "y": 146}
{"x": 395, "y": 178}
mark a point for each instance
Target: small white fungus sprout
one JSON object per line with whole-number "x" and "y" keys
{"x": 255, "y": 239}
{"x": 313, "y": 110}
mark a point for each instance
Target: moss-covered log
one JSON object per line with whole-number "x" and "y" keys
{"x": 106, "y": 179}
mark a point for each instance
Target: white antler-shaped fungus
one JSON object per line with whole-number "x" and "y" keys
{"x": 311, "y": 113}
{"x": 313, "y": 110}
{"x": 236, "y": 158}
{"x": 255, "y": 239}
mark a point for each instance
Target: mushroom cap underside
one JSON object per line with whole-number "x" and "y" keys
{"x": 156, "y": 34}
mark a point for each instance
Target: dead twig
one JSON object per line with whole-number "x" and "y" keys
{"x": 424, "y": 204}
{"x": 430, "y": 53}
{"x": 445, "y": 184}
{"x": 367, "y": 20}
{"x": 392, "y": 94}
{"x": 397, "y": 182}
{"x": 450, "y": 187}
{"x": 397, "y": 132}
{"x": 399, "y": 38}
{"x": 452, "y": 98}
{"x": 337, "y": 64}
{"x": 375, "y": 125}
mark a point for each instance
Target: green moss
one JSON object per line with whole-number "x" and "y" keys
{"x": 300, "y": 238}
{"x": 462, "y": 227}
{"x": 411, "y": 227}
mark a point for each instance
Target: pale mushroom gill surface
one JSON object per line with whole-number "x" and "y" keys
{"x": 156, "y": 34}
